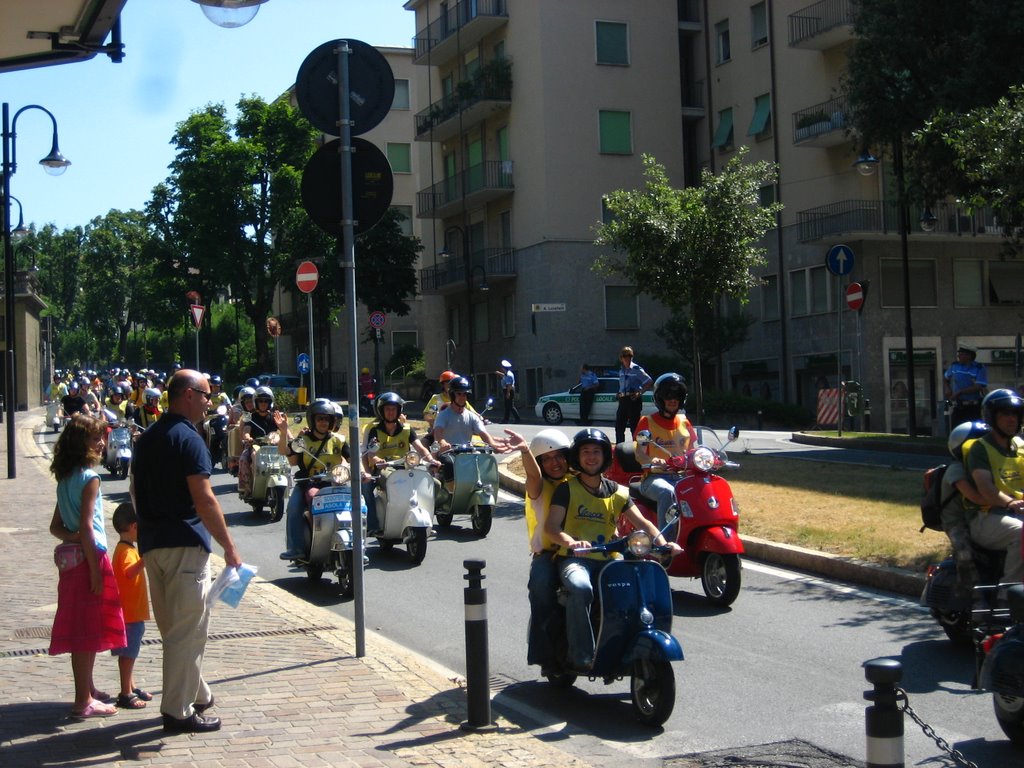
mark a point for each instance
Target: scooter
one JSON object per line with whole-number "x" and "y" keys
{"x": 632, "y": 621}
{"x": 118, "y": 455}
{"x": 271, "y": 478}
{"x": 963, "y": 614}
{"x": 215, "y": 427}
{"x": 329, "y": 539}
{"x": 706, "y": 513}
{"x": 405, "y": 503}
{"x": 1002, "y": 670}
{"x": 475, "y": 490}
{"x": 53, "y": 415}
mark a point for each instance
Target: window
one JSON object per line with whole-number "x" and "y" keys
{"x": 401, "y": 100}
{"x": 405, "y": 222}
{"x": 508, "y": 316}
{"x": 505, "y": 229}
{"x": 723, "y": 136}
{"x": 616, "y": 132}
{"x": 761, "y": 123}
{"x": 979, "y": 283}
{"x": 606, "y": 213}
{"x": 612, "y": 43}
{"x": 400, "y": 157}
{"x": 809, "y": 291}
{"x": 403, "y": 339}
{"x": 481, "y": 322}
{"x": 471, "y": 63}
{"x": 766, "y": 195}
{"x": 621, "y": 308}
{"x": 922, "y": 283}
{"x": 770, "y": 297}
{"x": 722, "y": 52}
{"x": 758, "y": 25}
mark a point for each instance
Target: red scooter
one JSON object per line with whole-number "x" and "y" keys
{"x": 705, "y": 517}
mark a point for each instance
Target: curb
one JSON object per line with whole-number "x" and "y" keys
{"x": 898, "y": 580}
{"x": 920, "y": 449}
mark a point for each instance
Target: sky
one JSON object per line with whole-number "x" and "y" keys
{"x": 115, "y": 121}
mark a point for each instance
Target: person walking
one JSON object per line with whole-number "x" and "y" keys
{"x": 508, "y": 391}
{"x": 588, "y": 388}
{"x": 88, "y": 618}
{"x": 633, "y": 382}
{"x": 179, "y": 518}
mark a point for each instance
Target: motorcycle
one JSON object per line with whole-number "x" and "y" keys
{"x": 215, "y": 428}
{"x": 963, "y": 613}
{"x": 118, "y": 455}
{"x": 1002, "y": 671}
{"x": 53, "y": 415}
{"x": 706, "y": 514}
{"x": 366, "y": 400}
{"x": 329, "y": 540}
{"x": 405, "y": 504}
{"x": 632, "y": 622}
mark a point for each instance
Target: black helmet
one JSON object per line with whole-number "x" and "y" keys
{"x": 590, "y": 435}
{"x": 321, "y": 407}
{"x": 669, "y": 386}
{"x": 252, "y": 381}
{"x": 216, "y": 380}
{"x": 460, "y": 384}
{"x": 388, "y": 398}
{"x": 1002, "y": 400}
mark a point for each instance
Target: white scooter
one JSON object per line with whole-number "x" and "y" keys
{"x": 53, "y": 415}
{"x": 404, "y": 497}
{"x": 118, "y": 456}
{"x": 328, "y": 535}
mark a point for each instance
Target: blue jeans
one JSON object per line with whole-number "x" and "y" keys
{"x": 660, "y": 488}
{"x": 370, "y": 500}
{"x": 577, "y": 575}
{"x": 543, "y": 605}
{"x": 295, "y": 525}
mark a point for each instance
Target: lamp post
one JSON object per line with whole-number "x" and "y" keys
{"x": 470, "y": 269}
{"x": 54, "y": 163}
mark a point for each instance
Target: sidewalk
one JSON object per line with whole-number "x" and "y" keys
{"x": 289, "y": 688}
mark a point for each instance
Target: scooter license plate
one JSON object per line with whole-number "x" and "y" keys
{"x": 331, "y": 503}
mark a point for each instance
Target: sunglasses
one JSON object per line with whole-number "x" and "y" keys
{"x": 206, "y": 395}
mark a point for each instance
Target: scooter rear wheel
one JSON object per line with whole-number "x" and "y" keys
{"x": 1010, "y": 714}
{"x": 652, "y": 686}
{"x": 417, "y": 546}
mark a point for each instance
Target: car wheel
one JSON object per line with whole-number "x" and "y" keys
{"x": 552, "y": 413}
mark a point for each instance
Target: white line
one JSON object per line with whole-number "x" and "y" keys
{"x": 843, "y": 589}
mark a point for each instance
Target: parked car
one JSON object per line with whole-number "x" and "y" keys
{"x": 553, "y": 409}
{"x": 289, "y": 384}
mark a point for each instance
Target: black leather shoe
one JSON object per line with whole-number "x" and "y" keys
{"x": 194, "y": 724}
{"x": 200, "y": 708}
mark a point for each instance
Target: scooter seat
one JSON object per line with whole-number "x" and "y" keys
{"x": 625, "y": 455}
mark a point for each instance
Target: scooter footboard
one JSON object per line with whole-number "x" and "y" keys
{"x": 718, "y": 538}
{"x": 654, "y": 644}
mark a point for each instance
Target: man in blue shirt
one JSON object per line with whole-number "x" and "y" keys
{"x": 633, "y": 382}
{"x": 965, "y": 383}
{"x": 588, "y": 388}
{"x": 508, "y": 390}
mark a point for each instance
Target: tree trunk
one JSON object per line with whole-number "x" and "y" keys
{"x": 698, "y": 386}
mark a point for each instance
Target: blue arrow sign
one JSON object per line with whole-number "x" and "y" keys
{"x": 302, "y": 363}
{"x": 840, "y": 260}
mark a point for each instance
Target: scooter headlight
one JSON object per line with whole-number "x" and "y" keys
{"x": 704, "y": 459}
{"x": 639, "y": 543}
{"x": 340, "y": 474}
{"x": 412, "y": 459}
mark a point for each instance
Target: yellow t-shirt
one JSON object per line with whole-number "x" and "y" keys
{"x": 547, "y": 488}
{"x": 588, "y": 516}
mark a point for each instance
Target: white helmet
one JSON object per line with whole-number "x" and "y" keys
{"x": 548, "y": 440}
{"x": 151, "y": 392}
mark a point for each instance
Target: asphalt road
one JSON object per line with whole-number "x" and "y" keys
{"x": 783, "y": 663}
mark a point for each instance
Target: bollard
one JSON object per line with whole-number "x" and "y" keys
{"x": 884, "y": 718}
{"x": 478, "y": 692}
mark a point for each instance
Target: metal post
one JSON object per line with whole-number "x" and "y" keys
{"x": 312, "y": 350}
{"x": 197, "y": 348}
{"x": 839, "y": 352}
{"x": 348, "y": 265}
{"x": 883, "y": 720}
{"x": 478, "y": 694}
{"x": 10, "y": 395}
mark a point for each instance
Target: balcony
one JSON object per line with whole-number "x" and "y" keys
{"x": 882, "y": 217}
{"x": 450, "y": 276}
{"x": 688, "y": 12}
{"x": 472, "y": 20}
{"x": 823, "y": 25}
{"x": 693, "y": 101}
{"x": 473, "y": 187}
{"x": 823, "y": 125}
{"x": 488, "y": 91}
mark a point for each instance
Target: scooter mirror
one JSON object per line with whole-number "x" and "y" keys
{"x": 734, "y": 432}
{"x": 372, "y": 446}
{"x": 435, "y": 448}
{"x": 643, "y": 438}
{"x": 490, "y": 402}
{"x": 298, "y": 445}
{"x": 109, "y": 416}
{"x": 222, "y": 410}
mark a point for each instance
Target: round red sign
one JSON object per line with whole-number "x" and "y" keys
{"x": 306, "y": 277}
{"x": 855, "y": 296}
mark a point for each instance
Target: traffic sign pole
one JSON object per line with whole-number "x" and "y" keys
{"x": 839, "y": 355}
{"x": 312, "y": 350}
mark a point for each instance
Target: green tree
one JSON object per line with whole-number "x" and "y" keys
{"x": 229, "y": 215}
{"x": 719, "y": 333}
{"x": 688, "y": 247}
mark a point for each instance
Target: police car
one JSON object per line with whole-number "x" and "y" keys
{"x": 552, "y": 409}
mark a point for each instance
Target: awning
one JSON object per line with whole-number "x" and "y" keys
{"x": 762, "y": 111}
{"x": 723, "y": 136}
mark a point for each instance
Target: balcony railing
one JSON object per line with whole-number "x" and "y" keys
{"x": 882, "y": 217}
{"x": 478, "y": 184}
{"x": 471, "y": 98}
{"x": 822, "y": 125}
{"x": 822, "y": 25}
{"x": 498, "y": 264}
{"x": 472, "y": 19}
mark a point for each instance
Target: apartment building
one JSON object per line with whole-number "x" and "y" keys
{"x": 542, "y": 108}
{"x": 773, "y": 84}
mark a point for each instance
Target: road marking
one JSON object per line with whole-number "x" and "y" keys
{"x": 844, "y": 589}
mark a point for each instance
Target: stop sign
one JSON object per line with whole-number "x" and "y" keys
{"x": 306, "y": 277}
{"x": 855, "y": 296}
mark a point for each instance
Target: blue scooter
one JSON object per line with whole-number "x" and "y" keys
{"x": 1003, "y": 669}
{"x": 632, "y": 621}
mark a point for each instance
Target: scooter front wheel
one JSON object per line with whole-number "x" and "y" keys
{"x": 1010, "y": 714}
{"x": 417, "y": 546}
{"x": 652, "y": 686}
{"x": 276, "y": 501}
{"x": 314, "y": 573}
{"x": 482, "y": 517}
{"x": 561, "y": 679}
{"x": 122, "y": 469}
{"x": 720, "y": 578}
{"x": 444, "y": 519}
{"x": 346, "y": 579}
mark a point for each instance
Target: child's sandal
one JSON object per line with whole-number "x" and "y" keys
{"x": 129, "y": 701}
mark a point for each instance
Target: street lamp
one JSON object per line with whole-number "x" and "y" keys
{"x": 55, "y": 164}
{"x": 230, "y": 13}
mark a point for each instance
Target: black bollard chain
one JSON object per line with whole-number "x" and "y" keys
{"x": 956, "y": 754}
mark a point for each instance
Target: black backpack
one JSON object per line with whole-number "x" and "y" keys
{"x": 932, "y": 502}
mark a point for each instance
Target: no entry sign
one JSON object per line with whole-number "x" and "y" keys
{"x": 306, "y": 277}
{"x": 855, "y": 296}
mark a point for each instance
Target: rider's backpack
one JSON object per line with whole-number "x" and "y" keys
{"x": 932, "y": 502}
